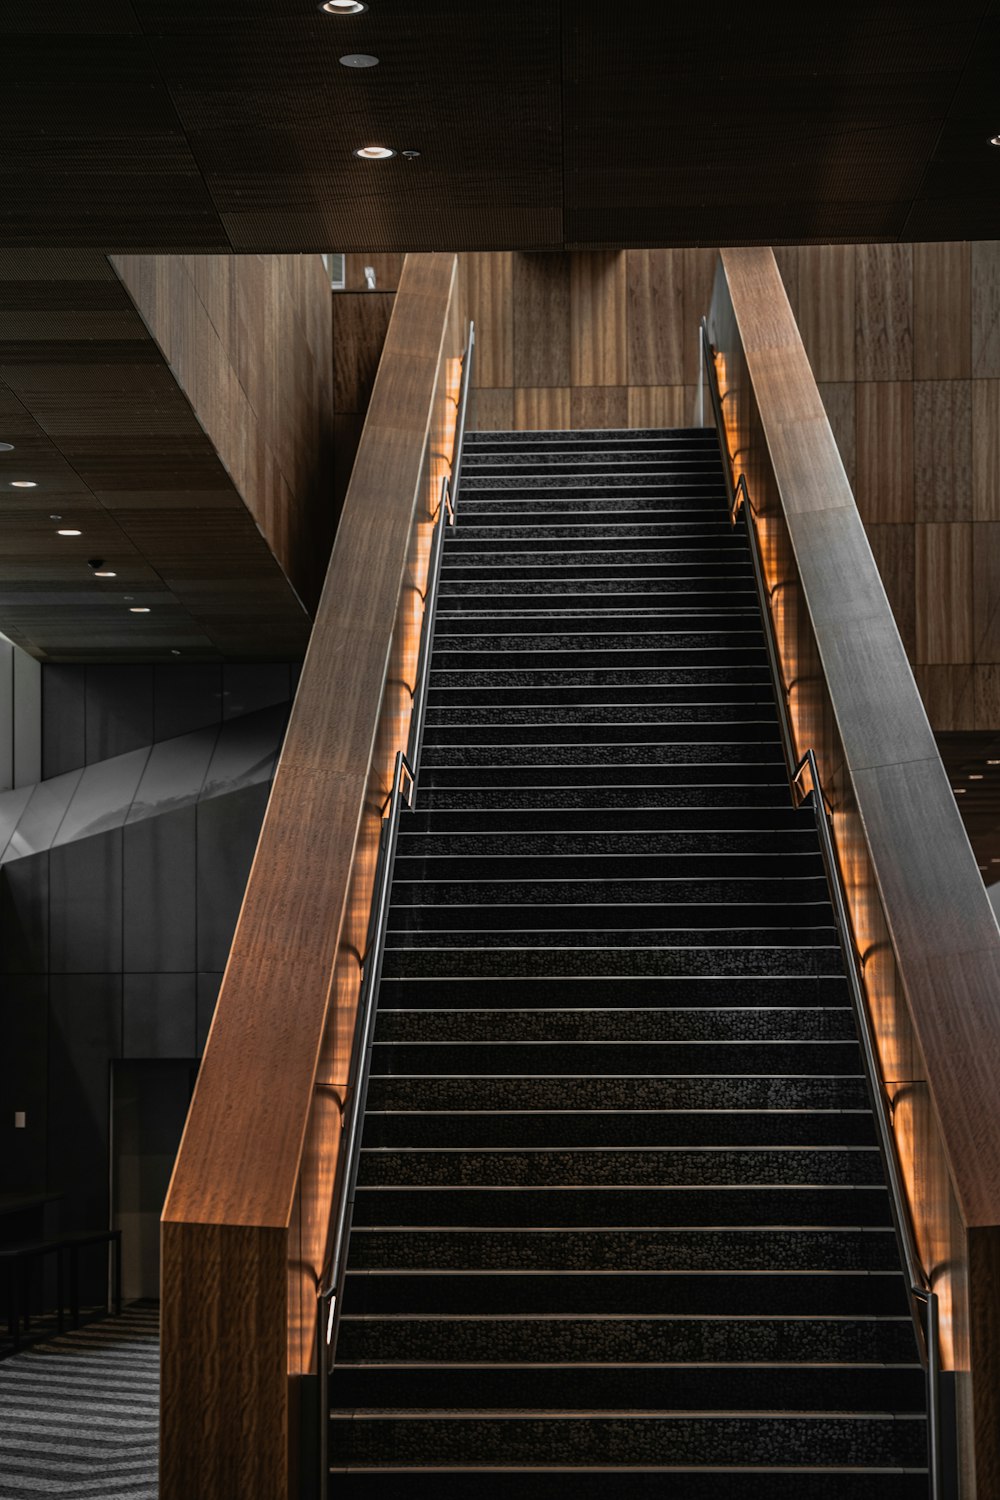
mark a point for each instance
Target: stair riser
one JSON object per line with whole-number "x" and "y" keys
{"x": 614, "y": 1128}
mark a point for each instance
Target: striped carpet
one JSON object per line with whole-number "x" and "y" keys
{"x": 79, "y": 1415}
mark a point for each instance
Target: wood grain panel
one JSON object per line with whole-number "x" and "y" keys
{"x": 699, "y": 275}
{"x": 987, "y": 690}
{"x": 986, "y": 591}
{"x": 387, "y": 267}
{"x": 949, "y": 695}
{"x": 941, "y": 312}
{"x": 985, "y": 308}
{"x": 656, "y": 317}
{"x": 488, "y": 290}
{"x": 826, "y": 309}
{"x": 942, "y": 450}
{"x": 986, "y": 450}
{"x": 894, "y": 550}
{"x": 944, "y": 593}
{"x": 884, "y": 483}
{"x": 598, "y": 353}
{"x": 598, "y": 406}
{"x": 787, "y": 259}
{"x": 541, "y": 314}
{"x": 840, "y": 405}
{"x": 492, "y": 411}
{"x": 657, "y": 406}
{"x": 536, "y": 410}
{"x": 360, "y": 322}
{"x": 883, "y": 341}
{"x": 259, "y": 1150}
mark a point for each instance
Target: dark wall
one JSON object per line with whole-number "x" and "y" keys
{"x": 113, "y": 945}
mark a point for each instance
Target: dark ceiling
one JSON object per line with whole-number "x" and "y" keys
{"x": 541, "y": 124}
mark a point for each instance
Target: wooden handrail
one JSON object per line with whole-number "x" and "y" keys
{"x": 247, "y": 1216}
{"x": 922, "y": 920}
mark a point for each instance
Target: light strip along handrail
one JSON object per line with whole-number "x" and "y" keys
{"x": 403, "y": 794}
{"x": 919, "y": 1290}
{"x": 468, "y": 362}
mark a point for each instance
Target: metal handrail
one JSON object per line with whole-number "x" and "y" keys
{"x": 919, "y": 1289}
{"x": 468, "y": 361}
{"x": 445, "y": 517}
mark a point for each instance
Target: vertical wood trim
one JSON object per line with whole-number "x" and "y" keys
{"x": 986, "y": 450}
{"x": 985, "y": 276}
{"x": 944, "y": 593}
{"x": 884, "y": 486}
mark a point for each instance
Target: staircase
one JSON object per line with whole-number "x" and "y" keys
{"x": 621, "y": 1225}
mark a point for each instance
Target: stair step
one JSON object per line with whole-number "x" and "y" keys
{"x": 637, "y": 1482}
{"x": 689, "y": 1249}
{"x": 655, "y": 1338}
{"x": 470, "y": 1129}
{"x": 576, "y": 1206}
{"x": 697, "y": 1387}
{"x": 766, "y": 1091}
{"x": 687, "y": 1024}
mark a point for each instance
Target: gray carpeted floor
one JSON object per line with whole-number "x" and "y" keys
{"x": 79, "y": 1415}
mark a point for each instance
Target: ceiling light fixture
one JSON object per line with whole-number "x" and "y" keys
{"x": 6, "y": 447}
{"x": 975, "y": 775}
{"x": 68, "y": 531}
{"x": 343, "y": 7}
{"x": 993, "y": 762}
{"x": 139, "y": 609}
{"x": 960, "y": 791}
{"x": 374, "y": 153}
{"x": 995, "y": 140}
{"x": 358, "y": 60}
{"x": 23, "y": 484}
{"x": 104, "y": 573}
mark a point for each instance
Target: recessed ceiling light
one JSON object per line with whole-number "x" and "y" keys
{"x": 68, "y": 531}
{"x": 174, "y": 651}
{"x": 6, "y": 447}
{"x": 975, "y": 775}
{"x": 23, "y": 484}
{"x": 139, "y": 609}
{"x": 104, "y": 573}
{"x": 960, "y": 791}
{"x": 358, "y": 60}
{"x": 993, "y": 762}
{"x": 995, "y": 140}
{"x": 374, "y": 153}
{"x": 343, "y": 7}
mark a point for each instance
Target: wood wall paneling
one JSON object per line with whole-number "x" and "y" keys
{"x": 657, "y": 326}
{"x": 598, "y": 406}
{"x": 942, "y": 345}
{"x": 986, "y": 450}
{"x": 598, "y": 355}
{"x": 840, "y": 403}
{"x": 986, "y": 590}
{"x": 884, "y": 312}
{"x": 488, "y": 291}
{"x": 884, "y": 481}
{"x": 949, "y": 693}
{"x": 826, "y": 314}
{"x": 944, "y": 593}
{"x": 360, "y": 323}
{"x": 492, "y": 411}
{"x": 387, "y": 268}
{"x": 658, "y": 406}
{"x": 942, "y": 450}
{"x": 541, "y": 320}
{"x": 537, "y": 410}
{"x": 894, "y": 550}
{"x": 985, "y": 308}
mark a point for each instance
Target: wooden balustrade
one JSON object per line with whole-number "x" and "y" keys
{"x": 246, "y": 1222}
{"x": 922, "y": 920}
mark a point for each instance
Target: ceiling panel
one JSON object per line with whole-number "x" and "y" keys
{"x": 114, "y": 450}
{"x": 541, "y": 124}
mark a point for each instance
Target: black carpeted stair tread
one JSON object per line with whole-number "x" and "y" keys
{"x": 637, "y": 1482}
{"x": 620, "y": 1224}
{"x": 565, "y": 1091}
{"x": 575, "y": 1206}
{"x": 688, "y": 1249}
{"x": 577, "y": 1128}
{"x": 790, "y": 1388}
{"x": 685, "y": 1024}
{"x": 653, "y": 1337}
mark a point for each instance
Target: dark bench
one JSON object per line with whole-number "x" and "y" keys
{"x": 19, "y": 1261}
